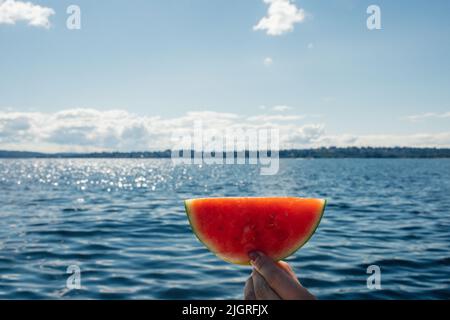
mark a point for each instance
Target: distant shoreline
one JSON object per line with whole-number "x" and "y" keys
{"x": 317, "y": 153}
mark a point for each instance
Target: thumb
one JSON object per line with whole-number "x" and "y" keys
{"x": 277, "y": 278}
{"x": 268, "y": 268}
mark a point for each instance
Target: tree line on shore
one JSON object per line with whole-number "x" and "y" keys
{"x": 325, "y": 152}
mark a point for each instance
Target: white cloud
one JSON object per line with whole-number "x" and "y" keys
{"x": 281, "y": 108}
{"x": 12, "y": 11}
{"x": 439, "y": 140}
{"x": 268, "y": 61}
{"x": 281, "y": 17}
{"x": 85, "y": 130}
{"x": 310, "y": 46}
{"x": 428, "y": 115}
{"x": 305, "y": 135}
{"x": 265, "y": 118}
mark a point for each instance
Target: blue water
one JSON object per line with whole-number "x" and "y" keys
{"x": 122, "y": 222}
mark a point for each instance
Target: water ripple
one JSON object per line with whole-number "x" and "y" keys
{"x": 123, "y": 224}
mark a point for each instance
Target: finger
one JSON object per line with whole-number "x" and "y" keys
{"x": 303, "y": 293}
{"x": 262, "y": 289}
{"x": 278, "y": 279}
{"x": 286, "y": 267}
{"x": 249, "y": 293}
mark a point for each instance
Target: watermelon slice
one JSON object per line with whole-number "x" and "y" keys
{"x": 232, "y": 227}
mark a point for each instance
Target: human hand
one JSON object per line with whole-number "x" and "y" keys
{"x": 273, "y": 281}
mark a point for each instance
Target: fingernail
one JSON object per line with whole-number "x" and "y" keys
{"x": 253, "y": 255}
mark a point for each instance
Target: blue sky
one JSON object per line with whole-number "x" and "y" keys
{"x": 161, "y": 60}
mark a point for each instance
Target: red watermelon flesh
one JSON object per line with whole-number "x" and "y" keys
{"x": 232, "y": 227}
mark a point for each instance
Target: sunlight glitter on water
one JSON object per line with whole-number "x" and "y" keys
{"x": 123, "y": 223}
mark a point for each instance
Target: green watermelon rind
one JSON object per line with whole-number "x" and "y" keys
{"x": 282, "y": 256}
{"x": 194, "y": 229}
{"x": 197, "y": 235}
{"x": 313, "y": 231}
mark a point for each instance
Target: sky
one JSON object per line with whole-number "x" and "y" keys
{"x": 137, "y": 71}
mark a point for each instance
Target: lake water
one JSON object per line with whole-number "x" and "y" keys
{"x": 122, "y": 222}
